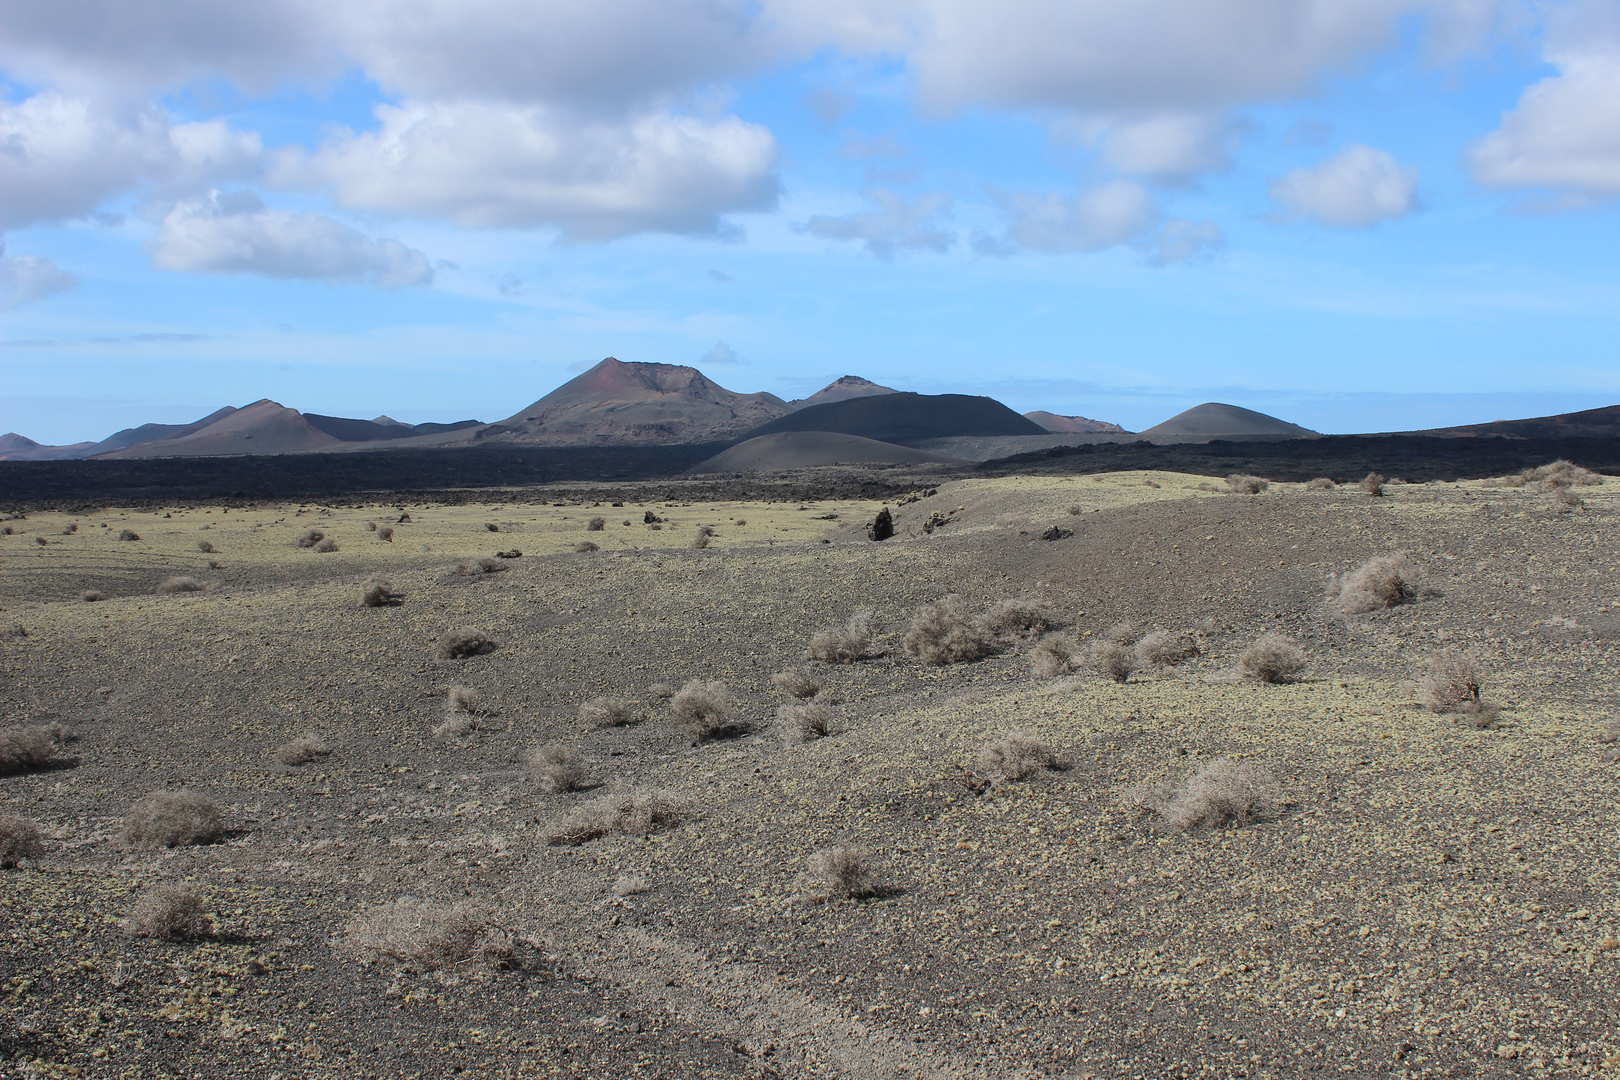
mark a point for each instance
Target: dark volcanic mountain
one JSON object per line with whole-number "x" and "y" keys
{"x": 1217, "y": 421}
{"x": 842, "y": 389}
{"x": 636, "y": 404}
{"x": 1073, "y": 425}
{"x": 906, "y": 418}
{"x": 1601, "y": 423}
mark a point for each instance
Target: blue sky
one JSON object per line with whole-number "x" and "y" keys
{"x": 1356, "y": 214}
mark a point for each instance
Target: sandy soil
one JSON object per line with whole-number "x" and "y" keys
{"x": 1428, "y": 900}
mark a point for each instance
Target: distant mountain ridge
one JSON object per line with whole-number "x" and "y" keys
{"x": 1075, "y": 425}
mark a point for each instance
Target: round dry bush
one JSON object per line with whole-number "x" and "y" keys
{"x": 1381, "y": 582}
{"x": 477, "y": 567}
{"x": 704, "y": 711}
{"x": 179, "y": 584}
{"x": 1122, "y": 633}
{"x": 1321, "y": 483}
{"x": 1016, "y": 756}
{"x": 603, "y": 712}
{"x": 1113, "y": 660}
{"x": 1272, "y": 659}
{"x": 635, "y": 812}
{"x": 461, "y": 699}
{"x": 302, "y": 750}
{"x": 419, "y": 935}
{"x": 558, "y": 767}
{"x": 1241, "y": 484}
{"x": 371, "y": 526}
{"x": 839, "y": 873}
{"x": 797, "y": 682}
{"x": 1162, "y": 648}
{"x": 1373, "y": 483}
{"x": 173, "y": 819}
{"x": 845, "y": 644}
{"x": 1450, "y": 684}
{"x": 129, "y": 534}
{"x": 168, "y": 913}
{"x": 460, "y": 644}
{"x": 585, "y": 547}
{"x": 206, "y": 547}
{"x": 26, "y": 749}
{"x": 1020, "y": 617}
{"x": 327, "y": 546}
{"x": 386, "y": 533}
{"x": 91, "y": 596}
{"x": 456, "y": 726}
{"x": 1222, "y": 791}
{"x": 1053, "y": 657}
{"x": 377, "y": 592}
{"x": 19, "y": 839}
{"x": 942, "y": 633}
{"x": 596, "y": 524}
{"x": 310, "y": 537}
{"x": 805, "y": 722}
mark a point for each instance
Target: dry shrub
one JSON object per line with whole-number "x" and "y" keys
{"x": 585, "y": 547}
{"x": 1016, "y": 756}
{"x": 24, "y": 749}
{"x": 168, "y": 913}
{"x": 1054, "y": 656}
{"x": 327, "y": 546}
{"x": 845, "y": 644}
{"x": 1450, "y": 684}
{"x": 1074, "y": 511}
{"x": 1243, "y": 484}
{"x": 460, "y": 644}
{"x": 603, "y": 712}
{"x": 310, "y": 537}
{"x": 377, "y": 592}
{"x": 475, "y": 567}
{"x": 1113, "y": 660}
{"x": 302, "y": 750}
{"x": 1220, "y": 792}
{"x": 942, "y": 633}
{"x": 386, "y": 533}
{"x": 461, "y": 699}
{"x": 796, "y": 681}
{"x": 19, "y": 839}
{"x": 1562, "y": 474}
{"x": 701, "y": 540}
{"x": 629, "y": 885}
{"x": 1122, "y": 633}
{"x": 1272, "y": 659}
{"x": 805, "y": 722}
{"x": 596, "y": 524}
{"x": 1020, "y": 617}
{"x": 663, "y": 691}
{"x": 1162, "y": 648}
{"x": 704, "y": 711}
{"x": 173, "y": 819}
{"x": 1373, "y": 483}
{"x": 635, "y": 812}
{"x": 740, "y": 522}
{"x": 91, "y": 596}
{"x": 1321, "y": 483}
{"x": 1381, "y": 582}
{"x": 839, "y": 873}
{"x": 490, "y": 526}
{"x": 129, "y": 534}
{"x": 410, "y": 934}
{"x": 456, "y": 726}
{"x": 206, "y": 547}
{"x": 178, "y": 584}
{"x": 371, "y": 526}
{"x": 558, "y": 767}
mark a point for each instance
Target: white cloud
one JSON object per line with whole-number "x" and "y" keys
{"x": 1167, "y": 146}
{"x": 1358, "y": 187}
{"x": 898, "y": 224}
{"x": 720, "y": 354}
{"x": 62, "y": 157}
{"x": 1125, "y": 55}
{"x": 1184, "y": 241}
{"x": 1089, "y": 220}
{"x": 1565, "y": 131}
{"x": 26, "y": 278}
{"x": 236, "y": 233}
{"x": 491, "y": 166}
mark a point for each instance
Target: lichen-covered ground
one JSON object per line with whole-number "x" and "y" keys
{"x": 1429, "y": 899}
